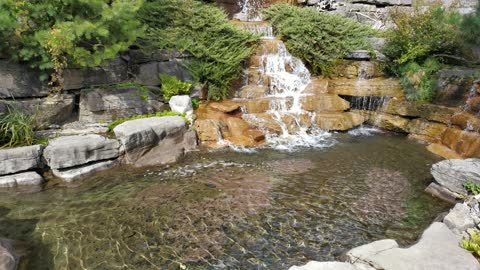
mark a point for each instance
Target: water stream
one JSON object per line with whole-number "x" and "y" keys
{"x": 229, "y": 210}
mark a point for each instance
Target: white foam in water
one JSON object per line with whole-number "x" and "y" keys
{"x": 249, "y": 12}
{"x": 364, "y": 131}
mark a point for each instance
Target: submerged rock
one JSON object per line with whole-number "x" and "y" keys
{"x": 71, "y": 174}
{"x": 21, "y": 179}
{"x": 20, "y": 159}
{"x": 453, "y": 173}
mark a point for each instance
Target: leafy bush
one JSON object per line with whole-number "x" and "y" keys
{"x": 171, "y": 86}
{"x": 472, "y": 244}
{"x": 319, "y": 39}
{"x": 119, "y": 121}
{"x": 202, "y": 30}
{"x": 16, "y": 128}
{"x": 417, "y": 79}
{"x": 195, "y": 103}
{"x": 50, "y": 34}
{"x": 472, "y": 187}
{"x": 470, "y": 30}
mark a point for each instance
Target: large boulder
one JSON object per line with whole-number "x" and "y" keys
{"x": 208, "y": 129}
{"x": 389, "y": 121}
{"x": 458, "y": 219}
{"x": 148, "y": 73}
{"x": 362, "y": 88}
{"x": 17, "y": 81}
{"x": 443, "y": 151}
{"x": 324, "y": 103}
{"x": 20, "y": 159}
{"x": 21, "y": 179}
{"x": 465, "y": 143}
{"x": 431, "y": 131}
{"x": 339, "y": 121}
{"x": 453, "y": 173}
{"x": 426, "y": 111}
{"x": 70, "y": 151}
{"x": 437, "y": 249}
{"x": 106, "y": 105}
{"x": 152, "y": 141}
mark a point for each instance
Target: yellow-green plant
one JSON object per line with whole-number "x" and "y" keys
{"x": 171, "y": 86}
{"x": 16, "y": 128}
{"x": 472, "y": 244}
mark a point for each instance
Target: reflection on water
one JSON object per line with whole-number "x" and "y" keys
{"x": 229, "y": 210}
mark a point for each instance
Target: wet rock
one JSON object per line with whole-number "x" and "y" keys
{"x": 70, "y": 151}
{"x": 373, "y": 87}
{"x": 252, "y": 91}
{"x": 432, "y": 130}
{"x": 20, "y": 159}
{"x": 453, "y": 173}
{"x": 318, "y": 85}
{"x": 442, "y": 193}
{"x": 357, "y": 69}
{"x": 465, "y": 143}
{"x": 466, "y": 121}
{"x": 324, "y": 102}
{"x": 389, "y": 122}
{"x": 208, "y": 129}
{"x": 140, "y": 137}
{"x": 296, "y": 121}
{"x": 226, "y": 106}
{"x": 8, "y": 258}
{"x": 181, "y": 104}
{"x": 17, "y": 81}
{"x": 459, "y": 219}
{"x": 263, "y": 121}
{"x": 443, "y": 151}
{"x": 437, "y": 248}
{"x": 313, "y": 265}
{"x": 340, "y": 121}
{"x": 82, "y": 171}
{"x": 426, "y": 111}
{"x": 106, "y": 105}
{"x": 262, "y": 105}
{"x": 21, "y": 179}
{"x": 112, "y": 72}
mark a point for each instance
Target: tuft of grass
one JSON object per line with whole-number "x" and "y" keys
{"x": 317, "y": 38}
{"x": 472, "y": 245}
{"x": 16, "y": 128}
{"x": 117, "y": 122}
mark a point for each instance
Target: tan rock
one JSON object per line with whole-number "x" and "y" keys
{"x": 427, "y": 111}
{"x": 351, "y": 69}
{"x": 474, "y": 104}
{"x": 340, "y": 121}
{"x": 263, "y": 121}
{"x": 208, "y": 129}
{"x": 317, "y": 86}
{"x": 422, "y": 127}
{"x": 261, "y": 105}
{"x": 236, "y": 126}
{"x": 294, "y": 122}
{"x": 225, "y": 106}
{"x": 389, "y": 122}
{"x": 443, "y": 151}
{"x": 466, "y": 120}
{"x": 373, "y": 87}
{"x": 465, "y": 143}
{"x": 324, "y": 103}
{"x": 253, "y": 91}
{"x": 421, "y": 138}
{"x": 255, "y": 134}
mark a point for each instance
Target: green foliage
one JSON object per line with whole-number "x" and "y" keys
{"x": 202, "y": 30}
{"x": 142, "y": 90}
{"x": 119, "y": 121}
{"x": 417, "y": 79}
{"x": 472, "y": 187}
{"x": 472, "y": 244}
{"x": 50, "y": 34}
{"x": 195, "y": 103}
{"x": 16, "y": 128}
{"x": 470, "y": 29}
{"x": 171, "y": 86}
{"x": 319, "y": 39}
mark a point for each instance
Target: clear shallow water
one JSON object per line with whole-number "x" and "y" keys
{"x": 230, "y": 210}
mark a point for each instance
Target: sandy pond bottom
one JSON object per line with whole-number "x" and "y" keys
{"x": 229, "y": 210}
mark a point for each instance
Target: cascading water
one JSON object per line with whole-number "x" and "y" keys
{"x": 249, "y": 11}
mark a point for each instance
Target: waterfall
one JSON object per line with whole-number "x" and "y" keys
{"x": 249, "y": 11}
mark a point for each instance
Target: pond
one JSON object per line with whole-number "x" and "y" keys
{"x": 230, "y": 210}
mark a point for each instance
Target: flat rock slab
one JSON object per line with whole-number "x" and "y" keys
{"x": 21, "y": 179}
{"x": 70, "y": 151}
{"x": 313, "y": 265}
{"x": 70, "y": 175}
{"x": 438, "y": 249}
{"x": 20, "y": 159}
{"x": 453, "y": 173}
{"x": 459, "y": 219}
{"x": 139, "y": 136}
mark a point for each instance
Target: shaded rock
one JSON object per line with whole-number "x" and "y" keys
{"x": 136, "y": 56}
{"x": 113, "y": 72}
{"x": 373, "y": 87}
{"x": 465, "y": 143}
{"x": 21, "y": 179}
{"x": 106, "y": 105}
{"x": 443, "y": 151}
{"x": 20, "y": 159}
{"x": 365, "y": 54}
{"x": 208, "y": 129}
{"x": 181, "y": 104}
{"x": 324, "y": 102}
{"x": 453, "y": 173}
{"x": 18, "y": 81}
{"x": 72, "y": 151}
{"x": 138, "y": 137}
{"x": 148, "y": 73}
{"x": 47, "y": 111}
{"x": 466, "y": 121}
{"x": 389, "y": 122}
{"x": 432, "y": 130}
{"x": 338, "y": 121}
{"x": 437, "y": 248}
{"x": 442, "y": 193}
{"x": 8, "y": 258}
{"x": 82, "y": 171}
{"x": 426, "y": 111}
{"x": 459, "y": 219}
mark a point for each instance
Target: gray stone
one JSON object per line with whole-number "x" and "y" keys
{"x": 313, "y": 265}
{"x": 459, "y": 219}
{"x": 365, "y": 55}
{"x": 141, "y": 57}
{"x": 442, "y": 193}
{"x": 21, "y": 179}
{"x": 438, "y": 248}
{"x": 363, "y": 253}
{"x": 377, "y": 43}
{"x": 72, "y": 151}
{"x": 106, "y": 105}
{"x": 385, "y": 2}
{"x": 453, "y": 173}
{"x": 148, "y": 73}
{"x": 72, "y": 174}
{"x": 138, "y": 137}
{"x": 20, "y": 159}
{"x": 47, "y": 111}
{"x": 114, "y": 71}
{"x": 181, "y": 104}
{"x": 8, "y": 258}
{"x": 18, "y": 81}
